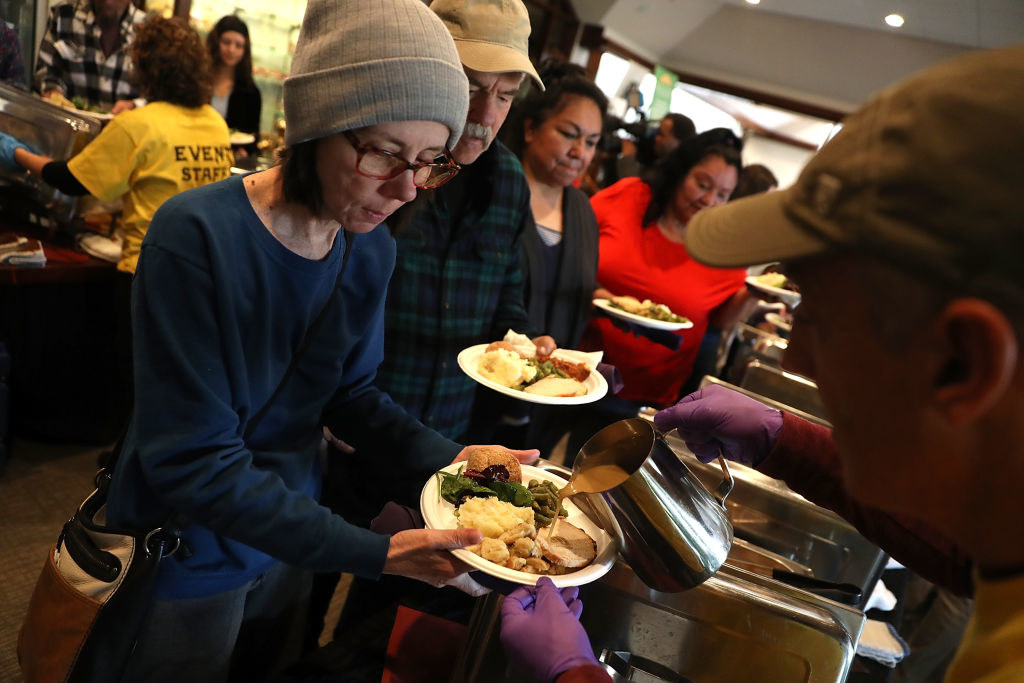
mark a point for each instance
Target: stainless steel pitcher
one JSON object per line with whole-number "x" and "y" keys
{"x": 673, "y": 532}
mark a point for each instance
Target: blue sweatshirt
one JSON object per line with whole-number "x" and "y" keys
{"x": 219, "y": 308}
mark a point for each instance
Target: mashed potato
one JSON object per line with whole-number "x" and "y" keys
{"x": 492, "y": 517}
{"x": 777, "y": 280}
{"x": 507, "y": 368}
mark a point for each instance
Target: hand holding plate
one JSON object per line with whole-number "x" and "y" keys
{"x": 423, "y": 554}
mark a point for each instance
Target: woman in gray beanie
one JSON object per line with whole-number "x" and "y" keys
{"x": 258, "y": 320}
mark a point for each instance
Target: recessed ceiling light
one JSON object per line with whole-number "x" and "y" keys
{"x": 753, "y": 2}
{"x": 894, "y": 20}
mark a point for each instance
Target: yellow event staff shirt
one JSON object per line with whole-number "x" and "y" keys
{"x": 992, "y": 649}
{"x": 148, "y": 155}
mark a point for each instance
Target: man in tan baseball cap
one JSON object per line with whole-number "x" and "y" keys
{"x": 457, "y": 282}
{"x": 905, "y": 234}
{"x": 492, "y": 37}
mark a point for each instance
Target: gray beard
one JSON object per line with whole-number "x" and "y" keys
{"x": 478, "y": 130}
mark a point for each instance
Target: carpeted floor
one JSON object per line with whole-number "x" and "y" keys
{"x": 40, "y": 486}
{"x": 39, "y": 489}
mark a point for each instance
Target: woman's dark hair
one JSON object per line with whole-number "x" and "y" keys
{"x": 664, "y": 178}
{"x": 229, "y": 22}
{"x": 561, "y": 80}
{"x": 171, "y": 64}
{"x": 682, "y": 126}
{"x": 754, "y": 179}
{"x": 299, "y": 179}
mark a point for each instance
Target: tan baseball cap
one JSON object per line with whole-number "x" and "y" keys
{"x": 491, "y": 35}
{"x": 929, "y": 174}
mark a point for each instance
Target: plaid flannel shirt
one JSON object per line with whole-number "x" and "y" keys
{"x": 72, "y": 61}
{"x": 455, "y": 285}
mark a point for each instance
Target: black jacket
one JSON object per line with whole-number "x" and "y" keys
{"x": 244, "y": 108}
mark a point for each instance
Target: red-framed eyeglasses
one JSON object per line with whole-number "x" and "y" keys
{"x": 380, "y": 164}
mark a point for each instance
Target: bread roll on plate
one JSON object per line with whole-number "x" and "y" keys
{"x": 556, "y": 386}
{"x": 484, "y": 456}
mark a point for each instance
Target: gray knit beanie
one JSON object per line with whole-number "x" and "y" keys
{"x": 363, "y": 62}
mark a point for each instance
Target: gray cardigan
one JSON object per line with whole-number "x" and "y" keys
{"x": 565, "y": 313}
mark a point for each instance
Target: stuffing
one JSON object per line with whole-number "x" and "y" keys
{"x": 494, "y": 550}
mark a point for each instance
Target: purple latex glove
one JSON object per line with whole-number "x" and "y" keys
{"x": 611, "y": 376}
{"x": 714, "y": 419}
{"x": 541, "y": 632}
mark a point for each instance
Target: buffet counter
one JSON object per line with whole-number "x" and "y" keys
{"x": 59, "y": 324}
{"x": 738, "y": 625}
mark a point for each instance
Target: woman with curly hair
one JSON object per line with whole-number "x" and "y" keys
{"x": 235, "y": 95}
{"x": 146, "y": 155}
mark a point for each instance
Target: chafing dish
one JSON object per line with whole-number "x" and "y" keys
{"x": 752, "y": 343}
{"x": 769, "y": 515}
{"x": 736, "y": 627}
{"x": 767, "y": 400}
{"x": 49, "y": 130}
{"x": 785, "y": 387}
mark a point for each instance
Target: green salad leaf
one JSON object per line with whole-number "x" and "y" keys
{"x": 455, "y": 487}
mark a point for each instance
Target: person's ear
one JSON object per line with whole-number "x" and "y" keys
{"x": 528, "y": 133}
{"x": 981, "y": 356}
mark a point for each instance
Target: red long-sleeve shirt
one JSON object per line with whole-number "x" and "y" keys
{"x": 640, "y": 261}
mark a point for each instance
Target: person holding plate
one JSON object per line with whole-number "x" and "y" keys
{"x": 258, "y": 308}
{"x": 555, "y": 135}
{"x": 643, "y": 223}
{"x": 235, "y": 95}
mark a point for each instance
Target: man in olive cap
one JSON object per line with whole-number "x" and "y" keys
{"x": 904, "y": 234}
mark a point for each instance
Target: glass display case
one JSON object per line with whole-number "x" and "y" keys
{"x": 273, "y": 30}
{"x": 20, "y": 16}
{"x": 50, "y": 130}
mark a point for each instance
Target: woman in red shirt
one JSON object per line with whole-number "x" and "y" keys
{"x": 642, "y": 225}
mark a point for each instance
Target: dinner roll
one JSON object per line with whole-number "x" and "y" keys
{"x": 485, "y": 456}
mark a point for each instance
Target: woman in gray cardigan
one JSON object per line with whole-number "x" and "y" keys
{"x": 561, "y": 127}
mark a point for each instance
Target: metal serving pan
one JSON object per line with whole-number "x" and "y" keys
{"x": 735, "y": 627}
{"x": 785, "y": 387}
{"x": 768, "y": 514}
{"x": 50, "y": 130}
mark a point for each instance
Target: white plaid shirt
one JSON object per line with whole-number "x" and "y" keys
{"x": 71, "y": 59}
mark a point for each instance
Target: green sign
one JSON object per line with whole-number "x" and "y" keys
{"x": 664, "y": 82}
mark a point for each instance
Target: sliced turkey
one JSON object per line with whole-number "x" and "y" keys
{"x": 570, "y": 547}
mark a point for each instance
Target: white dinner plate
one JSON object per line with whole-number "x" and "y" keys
{"x": 787, "y": 296}
{"x": 242, "y": 138}
{"x": 776, "y": 319}
{"x": 94, "y": 114}
{"x": 606, "y": 306}
{"x": 469, "y": 361}
{"x": 438, "y": 513}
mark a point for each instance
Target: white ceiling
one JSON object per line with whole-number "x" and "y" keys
{"x": 831, "y": 53}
